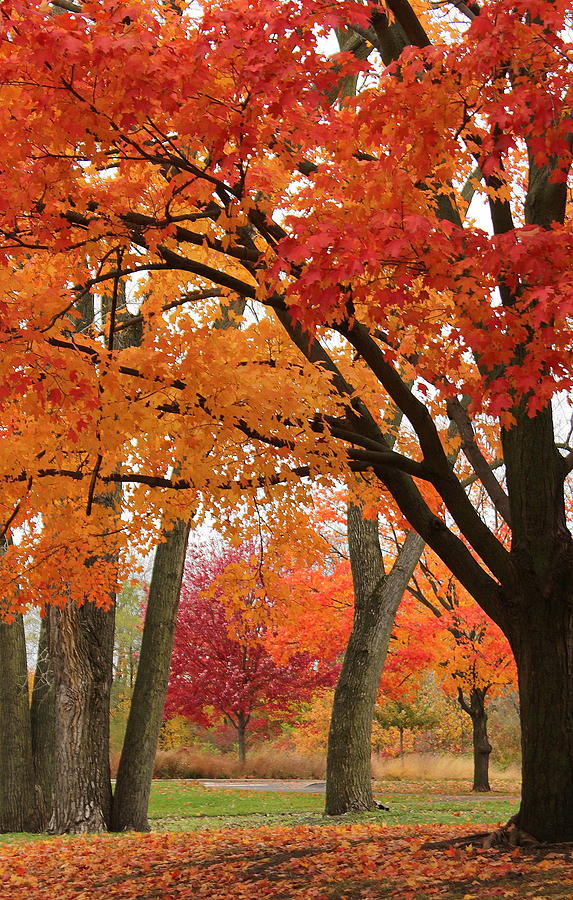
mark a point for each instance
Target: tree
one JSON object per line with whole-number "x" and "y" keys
{"x": 352, "y": 580}
{"x": 404, "y": 716}
{"x": 341, "y": 219}
{"x": 473, "y": 655}
{"x": 222, "y": 663}
{"x": 133, "y": 785}
{"x": 377, "y": 594}
{"x": 18, "y": 802}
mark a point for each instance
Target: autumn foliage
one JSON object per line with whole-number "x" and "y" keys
{"x": 407, "y": 244}
{"x": 452, "y": 636}
{"x": 223, "y": 660}
{"x": 300, "y": 862}
{"x": 106, "y": 173}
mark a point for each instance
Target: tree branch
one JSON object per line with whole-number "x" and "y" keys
{"x": 429, "y": 526}
{"x": 494, "y": 555}
{"x": 408, "y": 20}
{"x": 458, "y": 415}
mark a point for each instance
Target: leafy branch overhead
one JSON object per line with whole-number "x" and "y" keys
{"x": 408, "y": 245}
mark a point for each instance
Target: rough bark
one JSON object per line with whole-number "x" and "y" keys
{"x": 135, "y": 771}
{"x": 476, "y": 709}
{"x": 81, "y": 639}
{"x": 42, "y": 715}
{"x": 18, "y": 808}
{"x": 81, "y": 648}
{"x": 377, "y": 595}
{"x": 544, "y": 655}
{"x": 541, "y": 627}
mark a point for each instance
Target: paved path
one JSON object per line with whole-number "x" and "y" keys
{"x": 318, "y": 787}
{"x": 290, "y": 785}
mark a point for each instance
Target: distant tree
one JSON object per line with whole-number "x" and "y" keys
{"x": 415, "y": 715}
{"x": 472, "y": 654}
{"x": 223, "y": 662}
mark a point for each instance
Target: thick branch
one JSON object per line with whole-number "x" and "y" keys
{"x": 434, "y": 457}
{"x": 430, "y": 527}
{"x": 411, "y": 25}
{"x": 477, "y": 460}
{"x": 384, "y": 458}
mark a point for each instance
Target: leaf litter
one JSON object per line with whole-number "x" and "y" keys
{"x": 335, "y": 862}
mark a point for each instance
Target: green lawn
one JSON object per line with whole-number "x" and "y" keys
{"x": 186, "y": 806}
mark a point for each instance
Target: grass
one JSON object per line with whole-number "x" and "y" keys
{"x": 438, "y": 767}
{"x": 185, "y": 806}
{"x": 264, "y": 761}
{"x": 182, "y": 805}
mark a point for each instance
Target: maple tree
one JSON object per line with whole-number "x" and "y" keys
{"x": 367, "y": 583}
{"x": 135, "y": 769}
{"x": 210, "y": 152}
{"x": 405, "y": 717}
{"x": 222, "y": 662}
{"x": 471, "y": 652}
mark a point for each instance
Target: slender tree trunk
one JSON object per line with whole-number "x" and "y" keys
{"x": 18, "y": 807}
{"x": 476, "y": 709}
{"x": 377, "y": 595}
{"x": 42, "y": 714}
{"x": 81, "y": 640}
{"x": 242, "y": 722}
{"x": 482, "y": 750}
{"x": 135, "y": 771}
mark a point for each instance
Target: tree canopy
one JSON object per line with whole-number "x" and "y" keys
{"x": 205, "y": 156}
{"x": 223, "y": 662}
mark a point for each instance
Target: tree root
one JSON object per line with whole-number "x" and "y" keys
{"x": 507, "y": 837}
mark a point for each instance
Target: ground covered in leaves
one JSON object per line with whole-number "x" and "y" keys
{"x": 328, "y": 863}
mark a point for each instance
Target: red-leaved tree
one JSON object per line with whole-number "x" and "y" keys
{"x": 223, "y": 661}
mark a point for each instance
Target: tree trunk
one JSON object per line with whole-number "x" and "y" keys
{"x": 42, "y": 715}
{"x": 135, "y": 771}
{"x": 482, "y": 750}
{"x": 544, "y": 656}
{"x": 18, "y": 809}
{"x": 81, "y": 641}
{"x": 242, "y": 722}
{"x": 481, "y": 746}
{"x": 540, "y": 627}
{"x": 377, "y": 595}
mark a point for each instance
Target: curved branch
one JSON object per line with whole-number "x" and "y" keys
{"x": 494, "y": 555}
{"x": 447, "y": 545}
{"x": 477, "y": 460}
